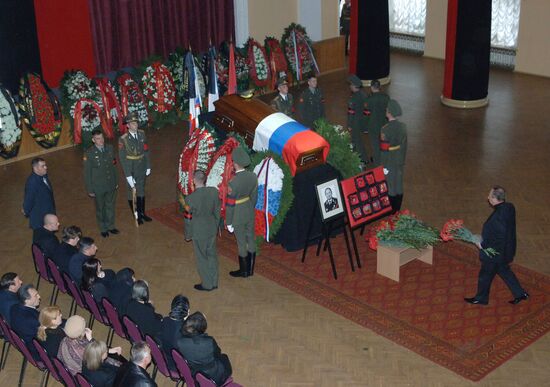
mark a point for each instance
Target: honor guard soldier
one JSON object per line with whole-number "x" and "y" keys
{"x": 393, "y": 149}
{"x": 204, "y": 205}
{"x": 134, "y": 158}
{"x": 357, "y": 116}
{"x": 101, "y": 179}
{"x": 345, "y": 18}
{"x": 283, "y": 102}
{"x": 240, "y": 215}
{"x": 311, "y": 105}
{"x": 377, "y": 103}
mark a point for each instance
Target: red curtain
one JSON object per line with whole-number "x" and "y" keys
{"x": 127, "y": 31}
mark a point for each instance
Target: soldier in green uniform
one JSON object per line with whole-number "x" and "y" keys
{"x": 311, "y": 105}
{"x": 239, "y": 216}
{"x": 377, "y": 103}
{"x": 393, "y": 149}
{"x": 283, "y": 102}
{"x": 101, "y": 179}
{"x": 345, "y": 18}
{"x": 357, "y": 116}
{"x": 204, "y": 206}
{"x": 134, "y": 158}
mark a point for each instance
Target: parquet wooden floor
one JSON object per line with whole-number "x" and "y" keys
{"x": 275, "y": 337}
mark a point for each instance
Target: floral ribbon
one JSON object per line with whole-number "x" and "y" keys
{"x": 78, "y": 119}
{"x": 265, "y": 208}
{"x": 109, "y": 99}
{"x": 296, "y": 58}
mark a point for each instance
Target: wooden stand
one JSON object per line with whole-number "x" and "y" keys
{"x": 390, "y": 259}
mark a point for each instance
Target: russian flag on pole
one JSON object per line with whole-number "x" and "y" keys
{"x": 288, "y": 138}
{"x": 194, "y": 93}
{"x": 213, "y": 94}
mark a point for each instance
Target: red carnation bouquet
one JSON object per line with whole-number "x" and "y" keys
{"x": 454, "y": 229}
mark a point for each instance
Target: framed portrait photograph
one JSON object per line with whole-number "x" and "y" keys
{"x": 330, "y": 199}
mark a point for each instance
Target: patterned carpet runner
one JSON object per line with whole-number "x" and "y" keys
{"x": 424, "y": 312}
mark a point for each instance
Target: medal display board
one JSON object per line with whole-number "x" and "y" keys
{"x": 366, "y": 196}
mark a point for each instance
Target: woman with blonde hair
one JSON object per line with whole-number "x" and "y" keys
{"x": 95, "y": 368}
{"x": 50, "y": 332}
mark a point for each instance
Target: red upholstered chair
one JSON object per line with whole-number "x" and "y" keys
{"x": 114, "y": 320}
{"x": 42, "y": 268}
{"x": 207, "y": 382}
{"x": 160, "y": 362}
{"x": 66, "y": 377}
{"x": 82, "y": 380}
{"x": 75, "y": 293}
{"x": 134, "y": 334}
{"x": 27, "y": 358}
{"x": 58, "y": 280}
{"x": 8, "y": 341}
{"x": 45, "y": 357}
{"x": 183, "y": 368}
{"x": 93, "y": 307}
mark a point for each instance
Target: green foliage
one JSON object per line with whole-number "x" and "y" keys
{"x": 341, "y": 155}
{"x": 408, "y": 231}
{"x": 287, "y": 194}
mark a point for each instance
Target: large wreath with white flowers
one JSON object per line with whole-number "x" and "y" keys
{"x": 176, "y": 66}
{"x": 298, "y": 51}
{"x": 276, "y": 59}
{"x": 88, "y": 116}
{"x": 257, "y": 62}
{"x": 220, "y": 170}
{"x": 275, "y": 194}
{"x": 242, "y": 69}
{"x": 196, "y": 155}
{"x": 131, "y": 100}
{"x": 10, "y": 130}
{"x": 160, "y": 92}
{"x": 40, "y": 110}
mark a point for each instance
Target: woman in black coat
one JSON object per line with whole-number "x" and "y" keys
{"x": 95, "y": 368}
{"x": 121, "y": 290}
{"x": 97, "y": 281}
{"x": 50, "y": 332}
{"x": 201, "y": 351}
{"x": 171, "y": 327}
{"x": 142, "y": 312}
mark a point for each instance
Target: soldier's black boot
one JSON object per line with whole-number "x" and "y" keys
{"x": 243, "y": 270}
{"x": 137, "y": 211}
{"x": 141, "y": 209}
{"x": 250, "y": 263}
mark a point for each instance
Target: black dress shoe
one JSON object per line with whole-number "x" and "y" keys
{"x": 200, "y": 287}
{"x": 517, "y": 300}
{"x": 114, "y": 231}
{"x": 105, "y": 234}
{"x": 475, "y": 301}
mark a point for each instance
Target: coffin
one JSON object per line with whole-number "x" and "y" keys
{"x": 266, "y": 129}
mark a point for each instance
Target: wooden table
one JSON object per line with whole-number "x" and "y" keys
{"x": 390, "y": 259}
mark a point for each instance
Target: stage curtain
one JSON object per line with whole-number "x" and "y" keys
{"x": 128, "y": 31}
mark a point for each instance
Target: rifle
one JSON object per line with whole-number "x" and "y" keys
{"x": 134, "y": 206}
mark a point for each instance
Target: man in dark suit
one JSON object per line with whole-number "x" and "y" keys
{"x": 24, "y": 315}
{"x": 67, "y": 248}
{"x": 134, "y": 373}
{"x": 45, "y": 237}
{"x": 38, "y": 200}
{"x": 498, "y": 233}
{"x": 87, "y": 250}
{"x": 9, "y": 285}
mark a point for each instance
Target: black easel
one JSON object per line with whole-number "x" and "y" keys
{"x": 327, "y": 227}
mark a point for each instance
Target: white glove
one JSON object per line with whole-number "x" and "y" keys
{"x": 230, "y": 228}
{"x": 386, "y": 171}
{"x": 131, "y": 181}
{"x": 148, "y": 172}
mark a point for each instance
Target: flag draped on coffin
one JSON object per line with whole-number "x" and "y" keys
{"x": 194, "y": 93}
{"x": 213, "y": 94}
{"x": 288, "y": 138}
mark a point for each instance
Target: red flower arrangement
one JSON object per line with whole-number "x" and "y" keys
{"x": 276, "y": 59}
{"x": 454, "y": 229}
{"x": 44, "y": 120}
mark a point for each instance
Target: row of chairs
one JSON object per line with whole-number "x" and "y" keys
{"x": 125, "y": 328}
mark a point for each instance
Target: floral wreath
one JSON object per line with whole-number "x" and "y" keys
{"x": 109, "y": 99}
{"x": 276, "y": 58}
{"x": 298, "y": 51}
{"x": 258, "y": 63}
{"x": 160, "y": 93}
{"x": 242, "y": 69}
{"x": 271, "y": 208}
{"x": 220, "y": 170}
{"x": 131, "y": 100}
{"x": 40, "y": 110}
{"x": 88, "y": 116}
{"x": 196, "y": 154}
{"x": 10, "y": 130}
{"x": 176, "y": 66}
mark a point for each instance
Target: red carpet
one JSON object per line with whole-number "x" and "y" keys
{"x": 425, "y": 312}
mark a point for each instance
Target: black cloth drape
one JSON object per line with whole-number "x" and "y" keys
{"x": 127, "y": 31}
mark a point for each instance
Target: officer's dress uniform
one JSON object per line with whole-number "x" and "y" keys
{"x": 311, "y": 106}
{"x": 376, "y": 106}
{"x": 284, "y": 104}
{"x": 357, "y": 122}
{"x": 101, "y": 179}
{"x": 204, "y": 205}
{"x": 134, "y": 158}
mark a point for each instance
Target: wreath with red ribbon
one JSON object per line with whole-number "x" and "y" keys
{"x": 277, "y": 60}
{"x": 86, "y": 108}
{"x": 258, "y": 63}
{"x": 131, "y": 100}
{"x": 40, "y": 110}
{"x": 196, "y": 154}
{"x": 109, "y": 99}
